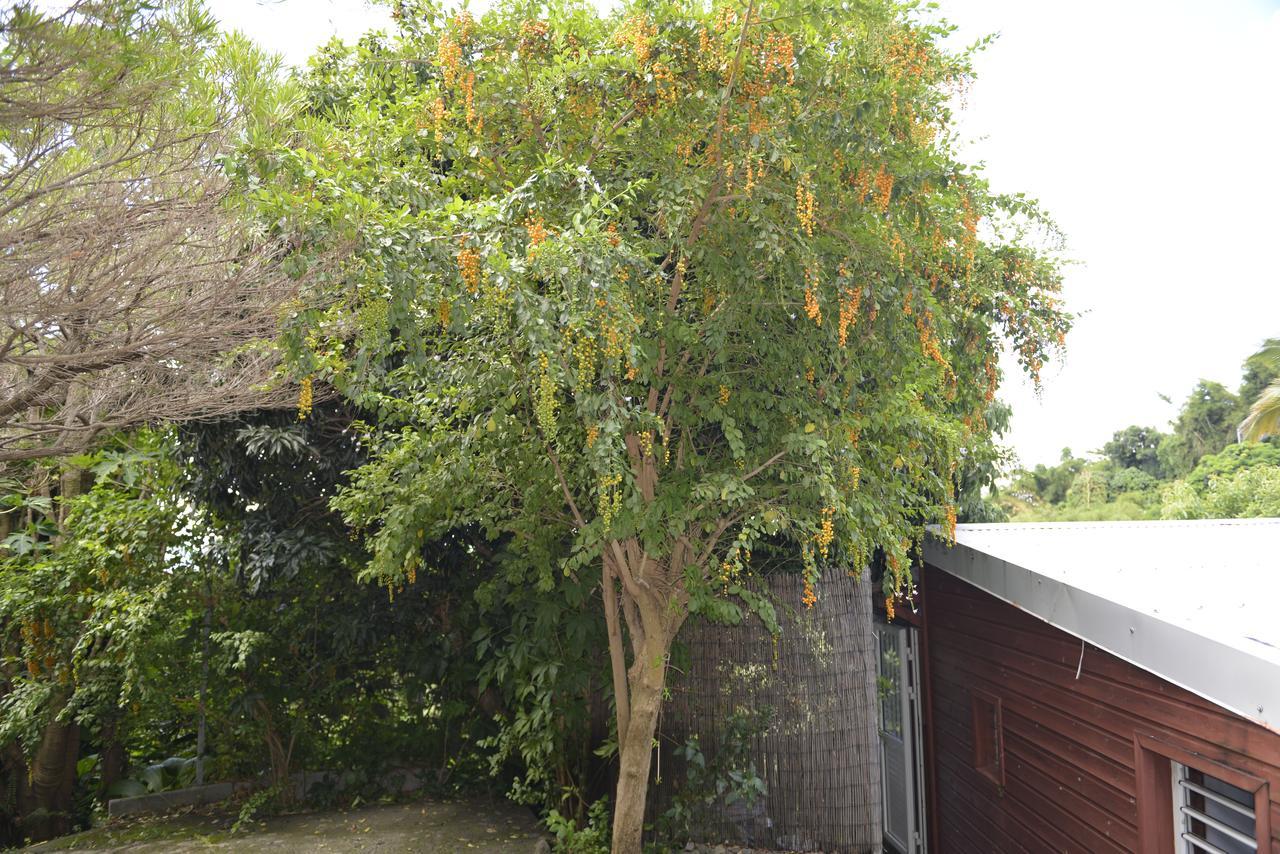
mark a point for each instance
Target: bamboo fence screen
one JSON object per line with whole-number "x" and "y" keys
{"x": 808, "y": 704}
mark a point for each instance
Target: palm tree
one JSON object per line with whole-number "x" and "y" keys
{"x": 1264, "y": 415}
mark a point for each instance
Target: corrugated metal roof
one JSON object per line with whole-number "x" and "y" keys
{"x": 1196, "y": 603}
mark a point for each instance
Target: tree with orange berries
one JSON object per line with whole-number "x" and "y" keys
{"x": 652, "y": 287}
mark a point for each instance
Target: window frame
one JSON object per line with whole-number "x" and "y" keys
{"x": 1155, "y": 790}
{"x": 987, "y": 732}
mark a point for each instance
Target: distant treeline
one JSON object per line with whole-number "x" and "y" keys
{"x": 1197, "y": 469}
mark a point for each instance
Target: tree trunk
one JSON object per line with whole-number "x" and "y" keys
{"x": 16, "y": 795}
{"x": 645, "y": 683}
{"x": 113, "y": 759}
{"x": 53, "y": 780}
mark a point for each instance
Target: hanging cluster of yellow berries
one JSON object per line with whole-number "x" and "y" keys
{"x": 993, "y": 380}
{"x": 585, "y": 353}
{"x": 593, "y": 434}
{"x": 805, "y": 205}
{"x": 534, "y": 37}
{"x": 811, "y": 307}
{"x": 855, "y": 477}
{"x": 861, "y": 181}
{"x": 724, "y": 395}
{"x": 779, "y": 55}
{"x": 443, "y": 309}
{"x": 708, "y": 59}
{"x": 888, "y": 607}
{"x": 437, "y": 118}
{"x": 907, "y": 55}
{"x": 468, "y": 259}
{"x": 850, "y": 302}
{"x": 754, "y": 173}
{"x": 645, "y": 438}
{"x": 826, "y": 532}
{"x": 449, "y": 59}
{"x": 884, "y": 189}
{"x": 305, "y": 399}
{"x": 638, "y": 33}
{"x": 548, "y": 401}
{"x": 665, "y": 82}
{"x": 610, "y": 498}
{"x": 474, "y": 121}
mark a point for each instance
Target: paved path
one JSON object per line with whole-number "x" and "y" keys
{"x": 480, "y": 826}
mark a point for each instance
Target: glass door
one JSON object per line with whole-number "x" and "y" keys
{"x": 900, "y": 744}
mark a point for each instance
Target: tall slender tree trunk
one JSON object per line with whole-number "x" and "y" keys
{"x": 53, "y": 768}
{"x": 645, "y": 685}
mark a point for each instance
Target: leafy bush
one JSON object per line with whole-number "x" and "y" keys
{"x": 591, "y": 838}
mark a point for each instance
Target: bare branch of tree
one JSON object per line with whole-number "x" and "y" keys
{"x": 131, "y": 289}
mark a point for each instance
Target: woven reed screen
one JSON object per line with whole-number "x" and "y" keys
{"x": 808, "y": 706}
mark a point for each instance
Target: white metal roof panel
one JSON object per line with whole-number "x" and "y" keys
{"x": 1197, "y": 603}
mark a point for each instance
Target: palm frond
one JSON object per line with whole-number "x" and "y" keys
{"x": 1264, "y": 416}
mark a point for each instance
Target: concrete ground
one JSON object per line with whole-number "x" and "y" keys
{"x": 477, "y": 825}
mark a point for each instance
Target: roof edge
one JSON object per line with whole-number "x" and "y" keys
{"x": 1241, "y": 683}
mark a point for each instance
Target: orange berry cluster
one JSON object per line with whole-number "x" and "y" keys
{"x": 533, "y": 37}
{"x": 38, "y": 636}
{"x": 805, "y": 205}
{"x": 468, "y": 260}
{"x": 474, "y": 121}
{"x": 638, "y": 33}
{"x": 753, "y": 174}
{"x": 449, "y": 59}
{"x": 849, "y": 312}
{"x": 811, "y": 306}
{"x": 537, "y": 231}
{"x": 861, "y": 181}
{"x": 929, "y": 340}
{"x": 884, "y": 189}
{"x": 707, "y": 58}
{"x": 665, "y": 82}
{"x": 437, "y": 118}
{"x": 993, "y": 380}
{"x": 809, "y": 597}
{"x": 888, "y": 607}
{"x": 907, "y": 56}
{"x": 612, "y": 230}
{"x": 779, "y": 54}
{"x": 593, "y": 433}
{"x": 827, "y": 532}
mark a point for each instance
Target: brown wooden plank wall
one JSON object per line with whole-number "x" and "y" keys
{"x": 1069, "y": 744}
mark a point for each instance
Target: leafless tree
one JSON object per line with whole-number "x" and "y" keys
{"x": 133, "y": 288}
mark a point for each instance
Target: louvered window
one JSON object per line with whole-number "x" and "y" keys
{"x": 1211, "y": 816}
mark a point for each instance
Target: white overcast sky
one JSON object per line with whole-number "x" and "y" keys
{"x": 1150, "y": 129}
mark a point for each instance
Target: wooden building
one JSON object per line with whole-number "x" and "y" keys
{"x": 1086, "y": 687}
